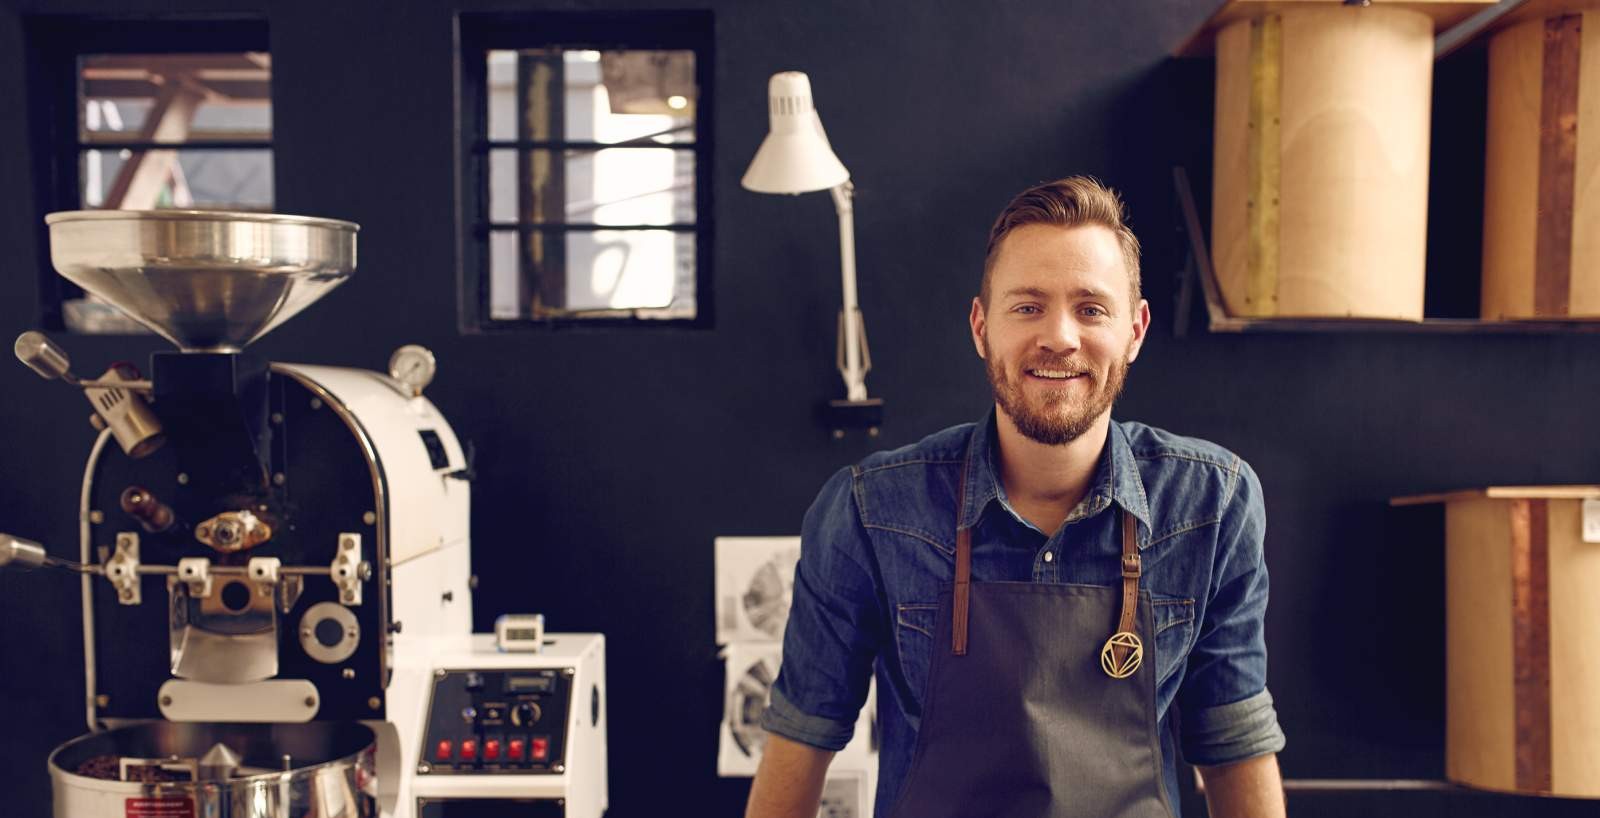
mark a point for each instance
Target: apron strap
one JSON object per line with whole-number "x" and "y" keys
{"x": 958, "y": 623}
{"x": 958, "y": 608}
{"x": 1132, "y": 567}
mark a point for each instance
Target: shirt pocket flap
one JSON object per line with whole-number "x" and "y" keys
{"x": 1174, "y": 618}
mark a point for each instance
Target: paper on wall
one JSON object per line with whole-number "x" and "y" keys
{"x": 755, "y": 582}
{"x": 752, "y": 667}
{"x": 846, "y": 794}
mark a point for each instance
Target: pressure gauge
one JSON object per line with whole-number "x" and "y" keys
{"x": 413, "y": 366}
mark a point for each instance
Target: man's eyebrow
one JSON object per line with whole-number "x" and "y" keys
{"x": 1038, "y": 292}
{"x": 1030, "y": 292}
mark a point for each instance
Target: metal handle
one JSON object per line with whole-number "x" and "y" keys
{"x": 20, "y": 553}
{"x": 43, "y": 356}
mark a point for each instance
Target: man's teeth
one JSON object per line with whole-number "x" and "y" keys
{"x": 1052, "y": 373}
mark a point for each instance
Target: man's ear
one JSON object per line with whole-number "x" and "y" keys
{"x": 979, "y": 325}
{"x": 1141, "y": 326}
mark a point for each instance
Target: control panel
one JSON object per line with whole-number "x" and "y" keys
{"x": 488, "y": 722}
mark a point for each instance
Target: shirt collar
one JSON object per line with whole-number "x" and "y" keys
{"x": 1116, "y": 478}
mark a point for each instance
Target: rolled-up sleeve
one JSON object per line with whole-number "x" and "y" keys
{"x": 1226, "y": 711}
{"x": 831, "y": 639}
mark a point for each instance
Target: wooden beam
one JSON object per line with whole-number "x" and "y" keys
{"x": 141, "y": 178}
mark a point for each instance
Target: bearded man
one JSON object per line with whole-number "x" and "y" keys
{"x": 1037, "y": 590}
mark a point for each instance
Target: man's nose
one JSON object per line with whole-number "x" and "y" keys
{"x": 1060, "y": 334}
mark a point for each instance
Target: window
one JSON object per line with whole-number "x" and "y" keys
{"x": 217, "y": 107}
{"x": 144, "y": 115}
{"x": 586, "y": 169}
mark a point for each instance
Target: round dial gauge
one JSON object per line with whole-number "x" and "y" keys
{"x": 413, "y": 366}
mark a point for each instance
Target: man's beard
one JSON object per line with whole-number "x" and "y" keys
{"x": 1058, "y": 417}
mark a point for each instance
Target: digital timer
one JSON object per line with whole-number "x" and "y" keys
{"x": 519, "y": 633}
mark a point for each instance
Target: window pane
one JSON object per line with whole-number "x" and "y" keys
{"x": 179, "y": 98}
{"x": 185, "y": 178}
{"x": 605, "y": 96}
{"x": 591, "y": 274}
{"x": 614, "y": 186}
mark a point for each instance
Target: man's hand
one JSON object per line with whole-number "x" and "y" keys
{"x": 789, "y": 781}
{"x": 1248, "y": 789}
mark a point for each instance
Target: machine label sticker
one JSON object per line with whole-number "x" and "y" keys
{"x": 1591, "y": 519}
{"x": 179, "y": 807}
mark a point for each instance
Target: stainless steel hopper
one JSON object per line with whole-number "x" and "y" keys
{"x": 208, "y": 281}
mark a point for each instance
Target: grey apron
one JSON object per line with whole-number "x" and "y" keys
{"x": 1022, "y": 716}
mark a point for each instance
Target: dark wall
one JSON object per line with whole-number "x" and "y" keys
{"x": 608, "y": 460}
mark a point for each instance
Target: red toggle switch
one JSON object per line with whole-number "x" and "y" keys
{"x": 541, "y": 749}
{"x": 469, "y": 750}
{"x": 444, "y": 751}
{"x": 491, "y": 750}
{"x": 518, "y": 749}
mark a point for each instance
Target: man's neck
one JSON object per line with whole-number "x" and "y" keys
{"x": 1044, "y": 483}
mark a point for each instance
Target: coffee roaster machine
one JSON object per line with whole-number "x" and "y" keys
{"x": 275, "y": 562}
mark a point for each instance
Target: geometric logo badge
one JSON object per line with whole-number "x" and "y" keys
{"x": 1122, "y": 655}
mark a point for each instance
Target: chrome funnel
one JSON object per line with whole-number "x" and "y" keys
{"x": 208, "y": 281}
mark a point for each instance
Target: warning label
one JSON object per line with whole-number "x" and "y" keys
{"x": 159, "y": 808}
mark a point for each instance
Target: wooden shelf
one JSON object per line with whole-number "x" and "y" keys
{"x": 1198, "y": 268}
{"x": 1501, "y": 493}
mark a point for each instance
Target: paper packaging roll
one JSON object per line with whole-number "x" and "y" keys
{"x": 1320, "y": 190}
{"x": 1541, "y": 211}
{"x": 1522, "y": 653}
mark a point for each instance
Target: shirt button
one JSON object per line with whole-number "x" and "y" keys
{"x": 1049, "y": 556}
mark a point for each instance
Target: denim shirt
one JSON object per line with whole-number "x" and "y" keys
{"x": 879, "y": 542}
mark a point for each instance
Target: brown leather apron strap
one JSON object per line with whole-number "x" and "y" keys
{"x": 1124, "y": 651}
{"x": 958, "y": 608}
{"x": 1131, "y": 569}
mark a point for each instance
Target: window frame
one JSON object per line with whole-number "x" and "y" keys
{"x": 54, "y": 43}
{"x": 479, "y": 33}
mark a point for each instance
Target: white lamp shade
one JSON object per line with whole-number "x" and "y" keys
{"x": 795, "y": 157}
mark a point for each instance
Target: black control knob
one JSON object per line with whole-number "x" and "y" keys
{"x": 525, "y": 714}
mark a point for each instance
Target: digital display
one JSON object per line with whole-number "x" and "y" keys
{"x": 538, "y": 684}
{"x": 522, "y": 633}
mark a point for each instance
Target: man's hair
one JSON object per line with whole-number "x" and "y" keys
{"x": 1067, "y": 202}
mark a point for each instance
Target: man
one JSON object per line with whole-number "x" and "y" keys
{"x": 1035, "y": 591}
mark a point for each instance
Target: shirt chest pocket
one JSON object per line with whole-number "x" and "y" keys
{"x": 915, "y": 623}
{"x": 1174, "y": 617}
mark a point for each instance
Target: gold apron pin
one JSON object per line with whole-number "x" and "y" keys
{"x": 1124, "y": 651}
{"x": 1132, "y": 655}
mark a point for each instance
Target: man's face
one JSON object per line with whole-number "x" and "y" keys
{"x": 1060, "y": 330}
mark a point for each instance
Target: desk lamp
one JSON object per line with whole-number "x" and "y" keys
{"x": 796, "y": 158}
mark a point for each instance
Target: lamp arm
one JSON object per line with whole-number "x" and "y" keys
{"x": 855, "y": 376}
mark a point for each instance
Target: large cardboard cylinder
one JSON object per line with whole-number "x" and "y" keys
{"x": 1320, "y": 190}
{"x": 1522, "y": 646}
{"x": 1541, "y": 210}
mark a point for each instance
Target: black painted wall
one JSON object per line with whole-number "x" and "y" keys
{"x": 610, "y": 459}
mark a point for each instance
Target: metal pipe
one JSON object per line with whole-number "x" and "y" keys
{"x": 131, "y": 386}
{"x": 855, "y": 378}
{"x": 19, "y": 552}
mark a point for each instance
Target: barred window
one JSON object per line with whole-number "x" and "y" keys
{"x": 589, "y": 169}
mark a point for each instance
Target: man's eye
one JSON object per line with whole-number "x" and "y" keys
{"x": 1026, "y": 309}
{"x": 1094, "y": 312}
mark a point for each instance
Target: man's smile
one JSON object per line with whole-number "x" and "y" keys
{"x": 1057, "y": 375}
